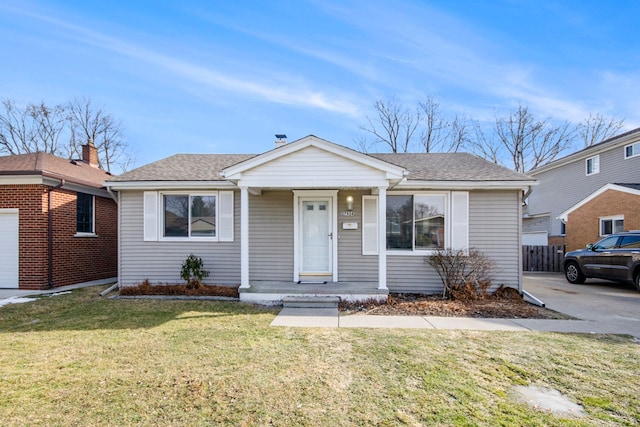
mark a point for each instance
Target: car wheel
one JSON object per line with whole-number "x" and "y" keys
{"x": 636, "y": 281}
{"x": 573, "y": 274}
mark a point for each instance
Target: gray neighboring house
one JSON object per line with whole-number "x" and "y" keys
{"x": 565, "y": 182}
{"x": 312, "y": 217}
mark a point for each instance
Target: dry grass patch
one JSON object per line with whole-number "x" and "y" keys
{"x": 95, "y": 361}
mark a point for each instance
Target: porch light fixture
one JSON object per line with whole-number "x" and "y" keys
{"x": 349, "y": 203}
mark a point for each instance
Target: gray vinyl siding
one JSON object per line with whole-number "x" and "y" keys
{"x": 160, "y": 262}
{"x": 564, "y": 186}
{"x": 494, "y": 229}
{"x": 352, "y": 265}
{"x": 271, "y": 236}
{"x": 535, "y": 224}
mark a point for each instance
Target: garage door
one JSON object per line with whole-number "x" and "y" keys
{"x": 8, "y": 248}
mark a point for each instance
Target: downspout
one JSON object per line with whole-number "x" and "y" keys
{"x": 113, "y": 196}
{"x": 50, "y": 236}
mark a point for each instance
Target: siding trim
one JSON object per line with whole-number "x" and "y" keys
{"x": 370, "y": 225}
{"x": 151, "y": 216}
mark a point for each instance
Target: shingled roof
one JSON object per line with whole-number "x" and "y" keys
{"x": 420, "y": 166}
{"x": 450, "y": 167}
{"x": 46, "y": 164}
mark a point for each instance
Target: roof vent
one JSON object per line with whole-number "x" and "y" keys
{"x": 281, "y": 139}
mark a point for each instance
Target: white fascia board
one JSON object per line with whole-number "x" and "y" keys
{"x": 313, "y": 183}
{"x": 21, "y": 179}
{"x": 392, "y": 171}
{"x": 168, "y": 185}
{"x": 564, "y": 216}
{"x": 467, "y": 185}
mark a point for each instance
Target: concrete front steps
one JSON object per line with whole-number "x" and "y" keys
{"x": 302, "y": 301}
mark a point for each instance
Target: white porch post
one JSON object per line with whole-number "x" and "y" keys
{"x": 382, "y": 237}
{"x": 244, "y": 237}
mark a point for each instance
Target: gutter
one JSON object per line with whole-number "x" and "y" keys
{"x": 50, "y": 235}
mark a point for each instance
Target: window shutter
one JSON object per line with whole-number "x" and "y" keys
{"x": 150, "y": 216}
{"x": 460, "y": 220}
{"x": 225, "y": 213}
{"x": 369, "y": 225}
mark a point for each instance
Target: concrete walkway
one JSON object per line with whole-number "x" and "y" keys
{"x": 602, "y": 307}
{"x": 330, "y": 318}
{"x": 19, "y": 293}
{"x": 606, "y": 321}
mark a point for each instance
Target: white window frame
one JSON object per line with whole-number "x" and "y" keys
{"x": 91, "y": 233}
{"x": 635, "y": 150}
{"x": 153, "y": 216}
{"x": 189, "y": 194}
{"x": 447, "y": 223}
{"x": 613, "y": 219}
{"x": 595, "y": 165}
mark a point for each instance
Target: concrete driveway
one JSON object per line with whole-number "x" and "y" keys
{"x": 596, "y": 300}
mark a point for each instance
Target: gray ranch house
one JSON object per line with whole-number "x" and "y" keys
{"x": 312, "y": 217}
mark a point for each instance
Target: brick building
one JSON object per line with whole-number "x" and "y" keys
{"x": 610, "y": 209}
{"x": 58, "y": 223}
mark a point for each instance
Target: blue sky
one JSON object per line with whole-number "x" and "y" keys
{"x": 224, "y": 77}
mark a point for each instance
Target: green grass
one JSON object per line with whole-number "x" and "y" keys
{"x": 82, "y": 359}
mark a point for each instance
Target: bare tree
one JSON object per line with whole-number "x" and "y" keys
{"x": 87, "y": 122}
{"x": 393, "y": 126}
{"x": 483, "y": 146}
{"x": 524, "y": 140}
{"x": 439, "y": 134}
{"x": 62, "y": 130}
{"x": 597, "y": 128}
{"x": 32, "y": 128}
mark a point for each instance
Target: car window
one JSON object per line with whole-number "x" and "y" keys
{"x": 606, "y": 243}
{"x": 630, "y": 242}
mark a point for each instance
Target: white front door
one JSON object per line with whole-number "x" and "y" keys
{"x": 316, "y": 236}
{"x": 9, "y": 248}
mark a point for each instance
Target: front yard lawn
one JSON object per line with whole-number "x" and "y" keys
{"x": 82, "y": 359}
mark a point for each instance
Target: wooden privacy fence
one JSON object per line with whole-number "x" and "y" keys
{"x": 542, "y": 258}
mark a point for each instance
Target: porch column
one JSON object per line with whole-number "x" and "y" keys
{"x": 382, "y": 237}
{"x": 244, "y": 237}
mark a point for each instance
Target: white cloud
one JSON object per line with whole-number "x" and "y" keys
{"x": 270, "y": 87}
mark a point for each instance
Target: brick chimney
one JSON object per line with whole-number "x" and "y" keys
{"x": 90, "y": 153}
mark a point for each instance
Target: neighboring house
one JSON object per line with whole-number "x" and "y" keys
{"x": 313, "y": 217}
{"x": 58, "y": 224}
{"x": 568, "y": 183}
{"x": 611, "y": 209}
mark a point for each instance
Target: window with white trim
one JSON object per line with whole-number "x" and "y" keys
{"x": 611, "y": 225}
{"x": 416, "y": 222}
{"x": 632, "y": 150}
{"x": 188, "y": 216}
{"x": 84, "y": 214}
{"x": 593, "y": 165}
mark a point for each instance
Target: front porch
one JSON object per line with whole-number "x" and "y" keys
{"x": 273, "y": 292}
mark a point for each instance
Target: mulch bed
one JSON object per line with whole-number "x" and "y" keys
{"x": 490, "y": 306}
{"x": 504, "y": 304}
{"x": 145, "y": 288}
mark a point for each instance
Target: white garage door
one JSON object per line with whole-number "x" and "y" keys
{"x": 8, "y": 248}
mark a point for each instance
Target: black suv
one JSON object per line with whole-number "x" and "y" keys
{"x": 616, "y": 257}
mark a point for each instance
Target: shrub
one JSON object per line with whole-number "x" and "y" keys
{"x": 193, "y": 272}
{"x": 464, "y": 275}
